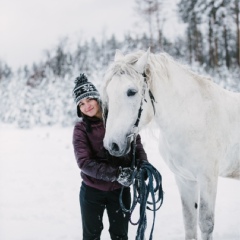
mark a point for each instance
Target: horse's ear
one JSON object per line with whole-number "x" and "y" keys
{"x": 142, "y": 62}
{"x": 118, "y": 55}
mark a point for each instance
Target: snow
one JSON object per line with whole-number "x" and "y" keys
{"x": 39, "y": 187}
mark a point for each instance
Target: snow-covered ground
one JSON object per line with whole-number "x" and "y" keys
{"x": 39, "y": 187}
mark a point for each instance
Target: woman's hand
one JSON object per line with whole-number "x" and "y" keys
{"x": 125, "y": 176}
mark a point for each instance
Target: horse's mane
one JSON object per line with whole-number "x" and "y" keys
{"x": 184, "y": 67}
{"x": 159, "y": 62}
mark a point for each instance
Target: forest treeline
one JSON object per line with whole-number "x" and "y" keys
{"x": 41, "y": 94}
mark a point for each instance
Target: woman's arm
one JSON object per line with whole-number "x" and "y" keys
{"x": 92, "y": 167}
{"x": 140, "y": 152}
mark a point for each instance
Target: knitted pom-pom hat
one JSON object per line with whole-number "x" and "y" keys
{"x": 83, "y": 89}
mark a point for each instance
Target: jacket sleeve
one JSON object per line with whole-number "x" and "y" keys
{"x": 140, "y": 152}
{"x": 85, "y": 159}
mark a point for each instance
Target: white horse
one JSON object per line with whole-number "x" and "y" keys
{"x": 199, "y": 123}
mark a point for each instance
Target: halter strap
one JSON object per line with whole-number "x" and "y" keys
{"x": 152, "y": 101}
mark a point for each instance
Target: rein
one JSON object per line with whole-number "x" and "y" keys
{"x": 142, "y": 188}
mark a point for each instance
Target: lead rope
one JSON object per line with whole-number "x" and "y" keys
{"x": 141, "y": 191}
{"x": 142, "y": 188}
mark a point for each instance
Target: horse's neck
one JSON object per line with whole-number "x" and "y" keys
{"x": 176, "y": 80}
{"x": 172, "y": 82}
{"x": 173, "y": 91}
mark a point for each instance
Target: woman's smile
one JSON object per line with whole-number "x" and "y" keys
{"x": 90, "y": 107}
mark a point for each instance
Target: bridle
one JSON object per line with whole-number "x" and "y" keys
{"x": 132, "y": 137}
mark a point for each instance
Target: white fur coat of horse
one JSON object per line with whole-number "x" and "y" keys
{"x": 199, "y": 123}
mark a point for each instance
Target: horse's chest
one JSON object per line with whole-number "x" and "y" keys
{"x": 178, "y": 159}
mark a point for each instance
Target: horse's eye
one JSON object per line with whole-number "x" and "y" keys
{"x": 131, "y": 92}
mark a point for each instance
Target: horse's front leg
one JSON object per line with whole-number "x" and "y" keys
{"x": 189, "y": 197}
{"x": 208, "y": 190}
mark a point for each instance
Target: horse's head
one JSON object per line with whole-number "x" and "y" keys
{"x": 126, "y": 97}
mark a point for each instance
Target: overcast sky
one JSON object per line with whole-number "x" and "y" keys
{"x": 28, "y": 27}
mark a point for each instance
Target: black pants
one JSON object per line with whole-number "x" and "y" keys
{"x": 93, "y": 202}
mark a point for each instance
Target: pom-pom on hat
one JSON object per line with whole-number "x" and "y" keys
{"x": 83, "y": 89}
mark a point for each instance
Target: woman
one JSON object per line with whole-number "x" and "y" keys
{"x": 103, "y": 175}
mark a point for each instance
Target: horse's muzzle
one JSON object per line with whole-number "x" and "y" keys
{"x": 119, "y": 150}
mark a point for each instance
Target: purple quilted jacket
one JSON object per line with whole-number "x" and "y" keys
{"x": 98, "y": 168}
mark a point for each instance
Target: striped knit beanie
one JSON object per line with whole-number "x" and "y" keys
{"x": 83, "y": 89}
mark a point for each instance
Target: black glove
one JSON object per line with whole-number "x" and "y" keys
{"x": 125, "y": 176}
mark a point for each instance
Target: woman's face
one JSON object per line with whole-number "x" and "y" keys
{"x": 90, "y": 107}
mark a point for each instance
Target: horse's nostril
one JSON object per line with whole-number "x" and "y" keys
{"x": 115, "y": 147}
